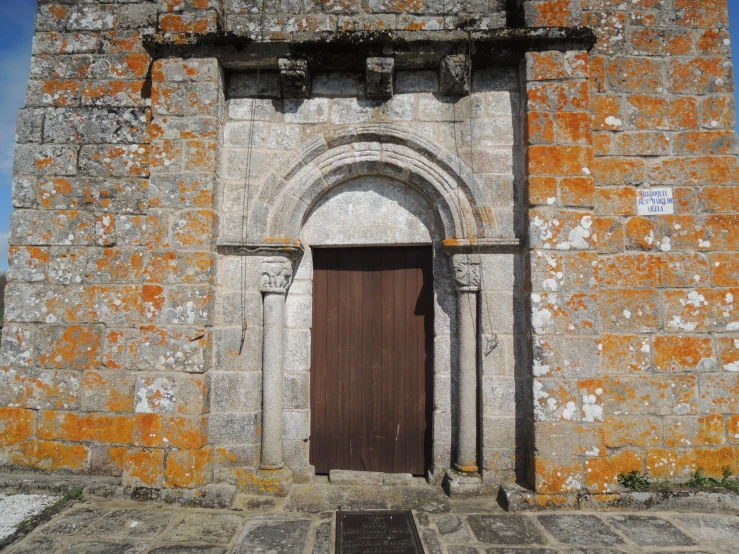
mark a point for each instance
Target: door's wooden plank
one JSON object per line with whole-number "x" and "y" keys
{"x": 368, "y": 305}
{"x": 344, "y": 348}
{"x": 411, "y": 299}
{"x": 375, "y": 350}
{"x": 318, "y": 364}
{"x": 426, "y": 349}
{"x": 332, "y": 356}
{"x": 355, "y": 363}
{"x": 388, "y": 436}
{"x": 399, "y": 358}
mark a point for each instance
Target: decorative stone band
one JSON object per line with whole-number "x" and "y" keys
{"x": 276, "y": 274}
{"x": 466, "y": 272}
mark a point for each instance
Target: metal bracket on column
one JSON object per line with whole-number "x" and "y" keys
{"x": 379, "y": 83}
{"x": 454, "y": 75}
{"x": 294, "y": 77}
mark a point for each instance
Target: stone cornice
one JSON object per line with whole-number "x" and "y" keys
{"x": 347, "y": 50}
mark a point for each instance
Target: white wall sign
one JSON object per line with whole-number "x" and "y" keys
{"x": 654, "y": 201}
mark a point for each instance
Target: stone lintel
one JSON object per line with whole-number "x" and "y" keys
{"x": 292, "y": 248}
{"x": 294, "y": 77}
{"x": 379, "y": 83}
{"x": 454, "y": 75}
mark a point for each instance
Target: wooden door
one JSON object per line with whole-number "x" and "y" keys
{"x": 371, "y": 359}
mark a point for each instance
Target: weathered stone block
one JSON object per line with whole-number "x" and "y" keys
{"x": 237, "y": 392}
{"x": 379, "y": 75}
{"x": 294, "y": 78}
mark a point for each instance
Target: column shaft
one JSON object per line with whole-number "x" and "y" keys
{"x": 272, "y": 375}
{"x": 467, "y": 434}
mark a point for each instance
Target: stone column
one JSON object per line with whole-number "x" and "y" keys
{"x": 467, "y": 281}
{"x": 276, "y": 275}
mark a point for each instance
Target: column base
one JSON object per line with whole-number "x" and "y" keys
{"x": 269, "y": 482}
{"x": 458, "y": 484}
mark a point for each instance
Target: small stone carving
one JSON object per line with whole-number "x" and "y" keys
{"x": 466, "y": 272}
{"x": 380, "y": 77}
{"x": 294, "y": 78}
{"x": 454, "y": 77}
{"x": 276, "y": 275}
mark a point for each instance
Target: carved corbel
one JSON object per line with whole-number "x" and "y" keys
{"x": 379, "y": 82}
{"x": 454, "y": 75}
{"x": 294, "y": 77}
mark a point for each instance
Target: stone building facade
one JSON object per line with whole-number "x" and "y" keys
{"x": 179, "y": 160}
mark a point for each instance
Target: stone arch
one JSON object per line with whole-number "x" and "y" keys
{"x": 289, "y": 193}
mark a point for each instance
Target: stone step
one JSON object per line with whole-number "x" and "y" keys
{"x": 347, "y": 477}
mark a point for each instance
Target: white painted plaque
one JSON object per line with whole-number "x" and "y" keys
{"x": 654, "y": 201}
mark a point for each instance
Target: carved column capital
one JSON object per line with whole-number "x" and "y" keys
{"x": 466, "y": 272}
{"x": 276, "y": 274}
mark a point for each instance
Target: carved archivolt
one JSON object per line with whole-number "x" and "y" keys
{"x": 287, "y": 195}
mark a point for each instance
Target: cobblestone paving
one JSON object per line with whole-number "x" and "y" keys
{"x": 121, "y": 528}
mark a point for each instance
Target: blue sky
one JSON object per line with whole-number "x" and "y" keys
{"x": 16, "y": 31}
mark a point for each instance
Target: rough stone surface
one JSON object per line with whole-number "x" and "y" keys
{"x": 130, "y": 192}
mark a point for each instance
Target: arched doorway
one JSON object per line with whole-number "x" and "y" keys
{"x": 372, "y": 332}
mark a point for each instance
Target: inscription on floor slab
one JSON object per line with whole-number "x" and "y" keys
{"x": 377, "y": 532}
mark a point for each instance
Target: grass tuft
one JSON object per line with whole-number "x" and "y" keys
{"x": 636, "y": 481}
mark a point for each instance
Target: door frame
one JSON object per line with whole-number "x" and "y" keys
{"x": 444, "y": 418}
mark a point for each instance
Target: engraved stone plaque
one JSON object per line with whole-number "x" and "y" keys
{"x": 377, "y": 532}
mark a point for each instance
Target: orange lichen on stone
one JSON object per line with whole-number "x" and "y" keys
{"x": 73, "y": 427}
{"x": 559, "y": 475}
{"x": 50, "y": 456}
{"x": 624, "y": 430}
{"x": 189, "y": 468}
{"x": 78, "y": 347}
{"x": 683, "y": 353}
{"x": 161, "y": 431}
{"x": 602, "y": 473}
{"x": 694, "y": 431}
{"x": 663, "y": 463}
{"x": 16, "y": 425}
{"x": 141, "y": 466}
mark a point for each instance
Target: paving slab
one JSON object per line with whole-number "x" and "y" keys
{"x": 650, "y": 531}
{"x": 505, "y": 530}
{"x": 275, "y": 535}
{"x": 205, "y": 527}
{"x": 520, "y": 551}
{"x": 323, "y": 539}
{"x": 73, "y": 522}
{"x": 711, "y": 528}
{"x": 452, "y": 528}
{"x": 179, "y": 549}
{"x": 129, "y": 525}
{"x": 96, "y": 547}
{"x": 582, "y": 530}
{"x": 36, "y": 545}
